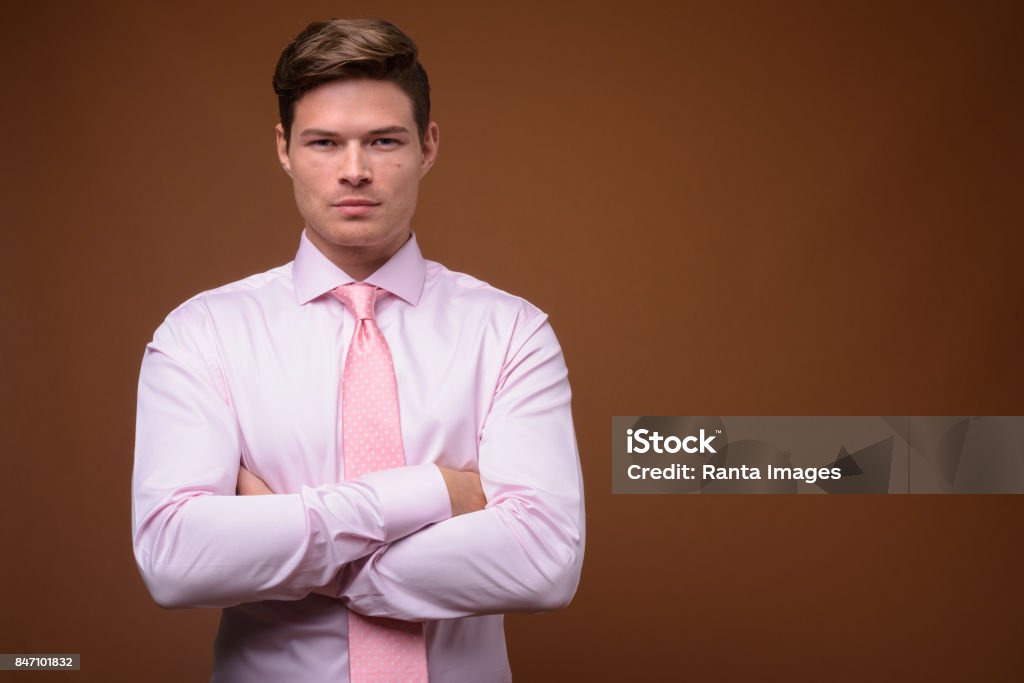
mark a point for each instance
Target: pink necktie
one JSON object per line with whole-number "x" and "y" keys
{"x": 379, "y": 650}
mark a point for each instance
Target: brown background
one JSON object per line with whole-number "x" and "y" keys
{"x": 726, "y": 208}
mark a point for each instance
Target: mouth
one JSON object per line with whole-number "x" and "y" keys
{"x": 355, "y": 206}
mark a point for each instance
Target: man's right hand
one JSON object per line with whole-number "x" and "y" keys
{"x": 464, "y": 490}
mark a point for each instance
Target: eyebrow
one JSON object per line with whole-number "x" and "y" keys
{"x": 320, "y": 132}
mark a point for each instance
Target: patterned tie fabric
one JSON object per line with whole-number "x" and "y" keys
{"x": 379, "y": 650}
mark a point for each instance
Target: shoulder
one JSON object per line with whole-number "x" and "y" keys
{"x": 194, "y": 318}
{"x": 463, "y": 293}
{"x": 469, "y": 304}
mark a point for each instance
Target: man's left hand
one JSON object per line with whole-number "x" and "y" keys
{"x": 250, "y": 485}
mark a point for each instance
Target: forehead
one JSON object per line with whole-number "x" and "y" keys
{"x": 353, "y": 106}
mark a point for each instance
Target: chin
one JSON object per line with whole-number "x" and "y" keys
{"x": 355, "y": 234}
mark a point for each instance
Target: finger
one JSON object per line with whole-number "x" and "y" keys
{"x": 249, "y": 484}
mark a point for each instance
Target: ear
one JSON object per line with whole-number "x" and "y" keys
{"x": 430, "y": 144}
{"x": 282, "y": 149}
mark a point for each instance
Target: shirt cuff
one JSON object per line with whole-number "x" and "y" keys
{"x": 410, "y": 498}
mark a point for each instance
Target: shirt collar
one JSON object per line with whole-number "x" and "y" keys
{"x": 313, "y": 274}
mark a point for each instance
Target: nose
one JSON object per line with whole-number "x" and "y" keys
{"x": 354, "y": 168}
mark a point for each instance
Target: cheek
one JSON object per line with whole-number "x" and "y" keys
{"x": 406, "y": 178}
{"x": 309, "y": 170}
{"x": 306, "y": 183}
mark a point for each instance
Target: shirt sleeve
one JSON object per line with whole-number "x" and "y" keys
{"x": 524, "y": 551}
{"x": 196, "y": 543}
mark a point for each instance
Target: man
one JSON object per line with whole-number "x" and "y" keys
{"x": 412, "y": 423}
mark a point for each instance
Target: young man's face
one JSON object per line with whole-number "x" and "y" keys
{"x": 356, "y": 161}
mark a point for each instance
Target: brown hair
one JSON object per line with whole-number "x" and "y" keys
{"x": 348, "y": 49}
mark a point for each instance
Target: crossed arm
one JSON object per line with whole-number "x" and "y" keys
{"x": 464, "y": 488}
{"x": 360, "y": 541}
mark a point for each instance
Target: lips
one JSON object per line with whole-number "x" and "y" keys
{"x": 356, "y": 201}
{"x": 354, "y": 207}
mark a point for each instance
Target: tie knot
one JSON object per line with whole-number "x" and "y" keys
{"x": 359, "y": 297}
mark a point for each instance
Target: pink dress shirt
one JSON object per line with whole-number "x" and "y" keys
{"x": 250, "y": 372}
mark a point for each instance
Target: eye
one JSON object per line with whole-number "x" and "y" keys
{"x": 323, "y": 143}
{"x": 386, "y": 142}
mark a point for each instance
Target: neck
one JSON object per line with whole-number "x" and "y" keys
{"x": 358, "y": 261}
